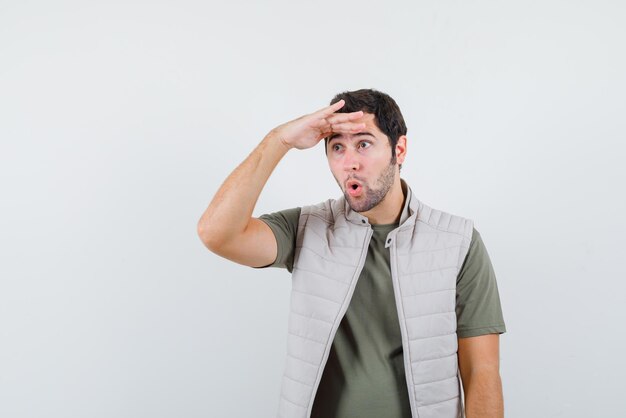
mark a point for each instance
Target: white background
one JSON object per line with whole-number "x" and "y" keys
{"x": 119, "y": 120}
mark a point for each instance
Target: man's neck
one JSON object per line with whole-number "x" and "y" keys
{"x": 389, "y": 210}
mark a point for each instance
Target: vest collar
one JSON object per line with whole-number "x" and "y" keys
{"x": 409, "y": 211}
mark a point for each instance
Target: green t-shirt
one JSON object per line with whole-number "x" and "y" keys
{"x": 364, "y": 376}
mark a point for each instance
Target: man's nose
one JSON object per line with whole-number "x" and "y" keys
{"x": 351, "y": 161}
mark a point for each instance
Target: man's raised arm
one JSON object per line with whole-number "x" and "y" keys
{"x": 227, "y": 227}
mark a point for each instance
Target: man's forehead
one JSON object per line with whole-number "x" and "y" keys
{"x": 367, "y": 118}
{"x": 365, "y": 133}
{"x": 371, "y": 129}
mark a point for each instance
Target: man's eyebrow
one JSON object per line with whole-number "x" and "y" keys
{"x": 330, "y": 138}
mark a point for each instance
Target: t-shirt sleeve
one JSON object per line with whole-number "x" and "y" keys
{"x": 284, "y": 225}
{"x": 478, "y": 308}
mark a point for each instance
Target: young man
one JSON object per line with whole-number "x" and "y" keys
{"x": 391, "y": 300}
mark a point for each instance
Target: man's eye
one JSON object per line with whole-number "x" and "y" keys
{"x": 336, "y": 147}
{"x": 367, "y": 144}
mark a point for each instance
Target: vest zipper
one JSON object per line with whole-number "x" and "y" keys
{"x": 408, "y": 372}
{"x": 343, "y": 311}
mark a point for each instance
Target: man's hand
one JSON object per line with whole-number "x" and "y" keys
{"x": 306, "y": 131}
{"x": 227, "y": 227}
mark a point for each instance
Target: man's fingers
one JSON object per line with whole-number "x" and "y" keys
{"x": 329, "y": 110}
{"x": 346, "y": 127}
{"x": 340, "y": 128}
{"x": 338, "y": 125}
{"x": 344, "y": 117}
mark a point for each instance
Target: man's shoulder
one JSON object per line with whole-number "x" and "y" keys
{"x": 327, "y": 210}
{"x": 443, "y": 221}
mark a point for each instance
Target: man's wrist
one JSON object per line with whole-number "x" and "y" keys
{"x": 276, "y": 136}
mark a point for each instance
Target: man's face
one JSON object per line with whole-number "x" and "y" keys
{"x": 361, "y": 164}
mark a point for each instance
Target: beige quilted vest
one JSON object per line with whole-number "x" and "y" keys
{"x": 426, "y": 254}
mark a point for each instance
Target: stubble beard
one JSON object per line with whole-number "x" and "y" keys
{"x": 372, "y": 197}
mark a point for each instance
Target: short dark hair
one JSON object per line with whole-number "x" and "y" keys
{"x": 387, "y": 115}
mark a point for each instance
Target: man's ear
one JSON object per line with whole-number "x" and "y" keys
{"x": 401, "y": 149}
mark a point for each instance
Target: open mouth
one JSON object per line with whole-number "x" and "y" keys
{"x": 354, "y": 188}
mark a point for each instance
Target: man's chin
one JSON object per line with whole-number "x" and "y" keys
{"x": 358, "y": 205}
